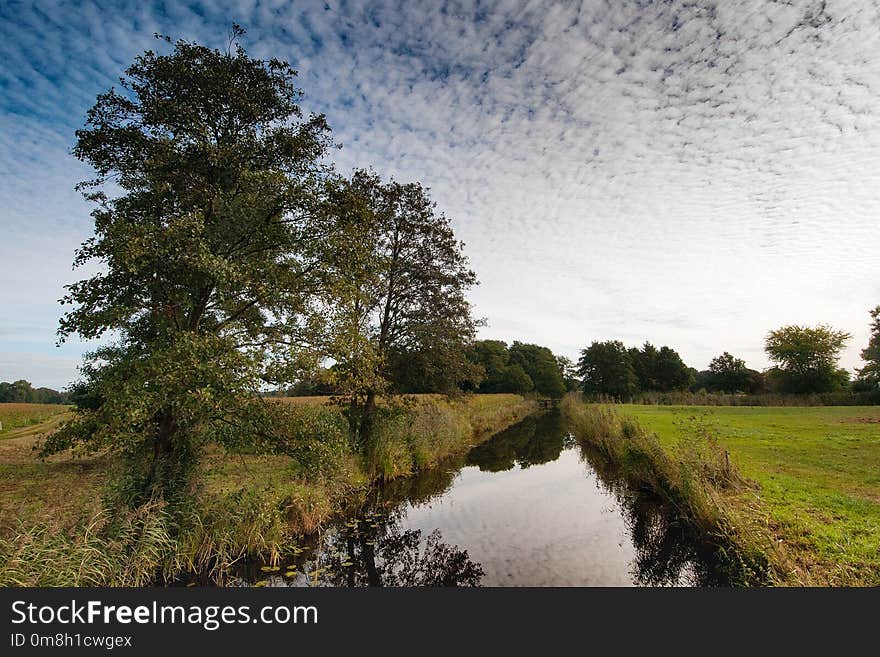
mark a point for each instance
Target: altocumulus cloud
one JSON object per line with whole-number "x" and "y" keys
{"x": 692, "y": 173}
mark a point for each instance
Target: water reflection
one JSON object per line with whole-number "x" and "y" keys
{"x": 667, "y": 553}
{"x": 370, "y": 550}
{"x": 527, "y": 507}
{"x": 535, "y": 440}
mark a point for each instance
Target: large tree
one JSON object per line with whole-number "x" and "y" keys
{"x": 806, "y": 357}
{"x": 541, "y": 366}
{"x": 869, "y": 375}
{"x": 205, "y": 230}
{"x": 398, "y": 293}
{"x": 606, "y": 369}
{"x": 659, "y": 369}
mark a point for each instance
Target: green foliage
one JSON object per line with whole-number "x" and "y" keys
{"x": 316, "y": 437}
{"x": 869, "y": 375}
{"x": 661, "y": 369}
{"x": 518, "y": 369}
{"x": 730, "y": 374}
{"x": 396, "y": 295}
{"x": 493, "y": 358}
{"x": 606, "y": 369}
{"x": 23, "y": 392}
{"x": 568, "y": 372}
{"x": 208, "y": 252}
{"x": 806, "y": 358}
{"x": 541, "y": 366}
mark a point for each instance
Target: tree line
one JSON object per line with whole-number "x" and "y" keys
{"x": 22, "y": 391}
{"x": 487, "y": 366}
{"x": 805, "y": 360}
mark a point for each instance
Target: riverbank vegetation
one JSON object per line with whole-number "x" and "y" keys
{"x": 55, "y": 527}
{"x": 792, "y": 492}
{"x": 694, "y": 479}
{"x": 816, "y": 470}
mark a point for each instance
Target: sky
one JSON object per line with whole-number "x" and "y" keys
{"x": 691, "y": 173}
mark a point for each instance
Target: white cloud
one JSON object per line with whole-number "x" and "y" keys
{"x": 689, "y": 173}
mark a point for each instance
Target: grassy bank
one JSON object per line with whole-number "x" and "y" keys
{"x": 818, "y": 477}
{"x": 55, "y": 531}
{"x": 695, "y": 479}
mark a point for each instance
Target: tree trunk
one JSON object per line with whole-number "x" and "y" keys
{"x": 368, "y": 413}
{"x": 163, "y": 468}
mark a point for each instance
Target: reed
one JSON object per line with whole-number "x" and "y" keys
{"x": 695, "y": 480}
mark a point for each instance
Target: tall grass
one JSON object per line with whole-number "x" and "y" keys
{"x": 17, "y": 415}
{"x": 419, "y": 435}
{"x": 128, "y": 549}
{"x": 696, "y": 480}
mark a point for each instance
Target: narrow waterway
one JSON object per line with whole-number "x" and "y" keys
{"x": 529, "y": 507}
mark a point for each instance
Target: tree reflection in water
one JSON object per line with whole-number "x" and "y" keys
{"x": 535, "y": 440}
{"x": 397, "y": 558}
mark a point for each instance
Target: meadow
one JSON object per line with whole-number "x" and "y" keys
{"x": 817, "y": 471}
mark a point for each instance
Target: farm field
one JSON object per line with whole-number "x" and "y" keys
{"x": 22, "y": 419}
{"x": 818, "y": 469}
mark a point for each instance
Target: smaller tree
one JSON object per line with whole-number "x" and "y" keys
{"x": 644, "y": 363}
{"x": 729, "y": 374}
{"x": 806, "y": 357}
{"x": 671, "y": 372}
{"x": 395, "y": 292}
{"x": 606, "y": 369}
{"x": 516, "y": 380}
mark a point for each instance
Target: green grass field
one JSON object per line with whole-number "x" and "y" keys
{"x": 819, "y": 474}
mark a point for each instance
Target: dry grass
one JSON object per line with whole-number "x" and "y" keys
{"x": 29, "y": 419}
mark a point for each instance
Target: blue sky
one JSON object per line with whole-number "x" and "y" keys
{"x": 689, "y": 173}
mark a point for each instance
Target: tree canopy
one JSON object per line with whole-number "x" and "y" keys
{"x": 806, "y": 357}
{"x": 869, "y": 375}
{"x": 207, "y": 230}
{"x": 400, "y": 320}
{"x": 22, "y": 391}
{"x": 729, "y": 374}
{"x": 659, "y": 369}
{"x": 606, "y": 369}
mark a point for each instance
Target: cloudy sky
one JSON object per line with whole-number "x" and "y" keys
{"x": 691, "y": 173}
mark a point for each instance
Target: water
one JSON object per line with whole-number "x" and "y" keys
{"x": 527, "y": 508}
